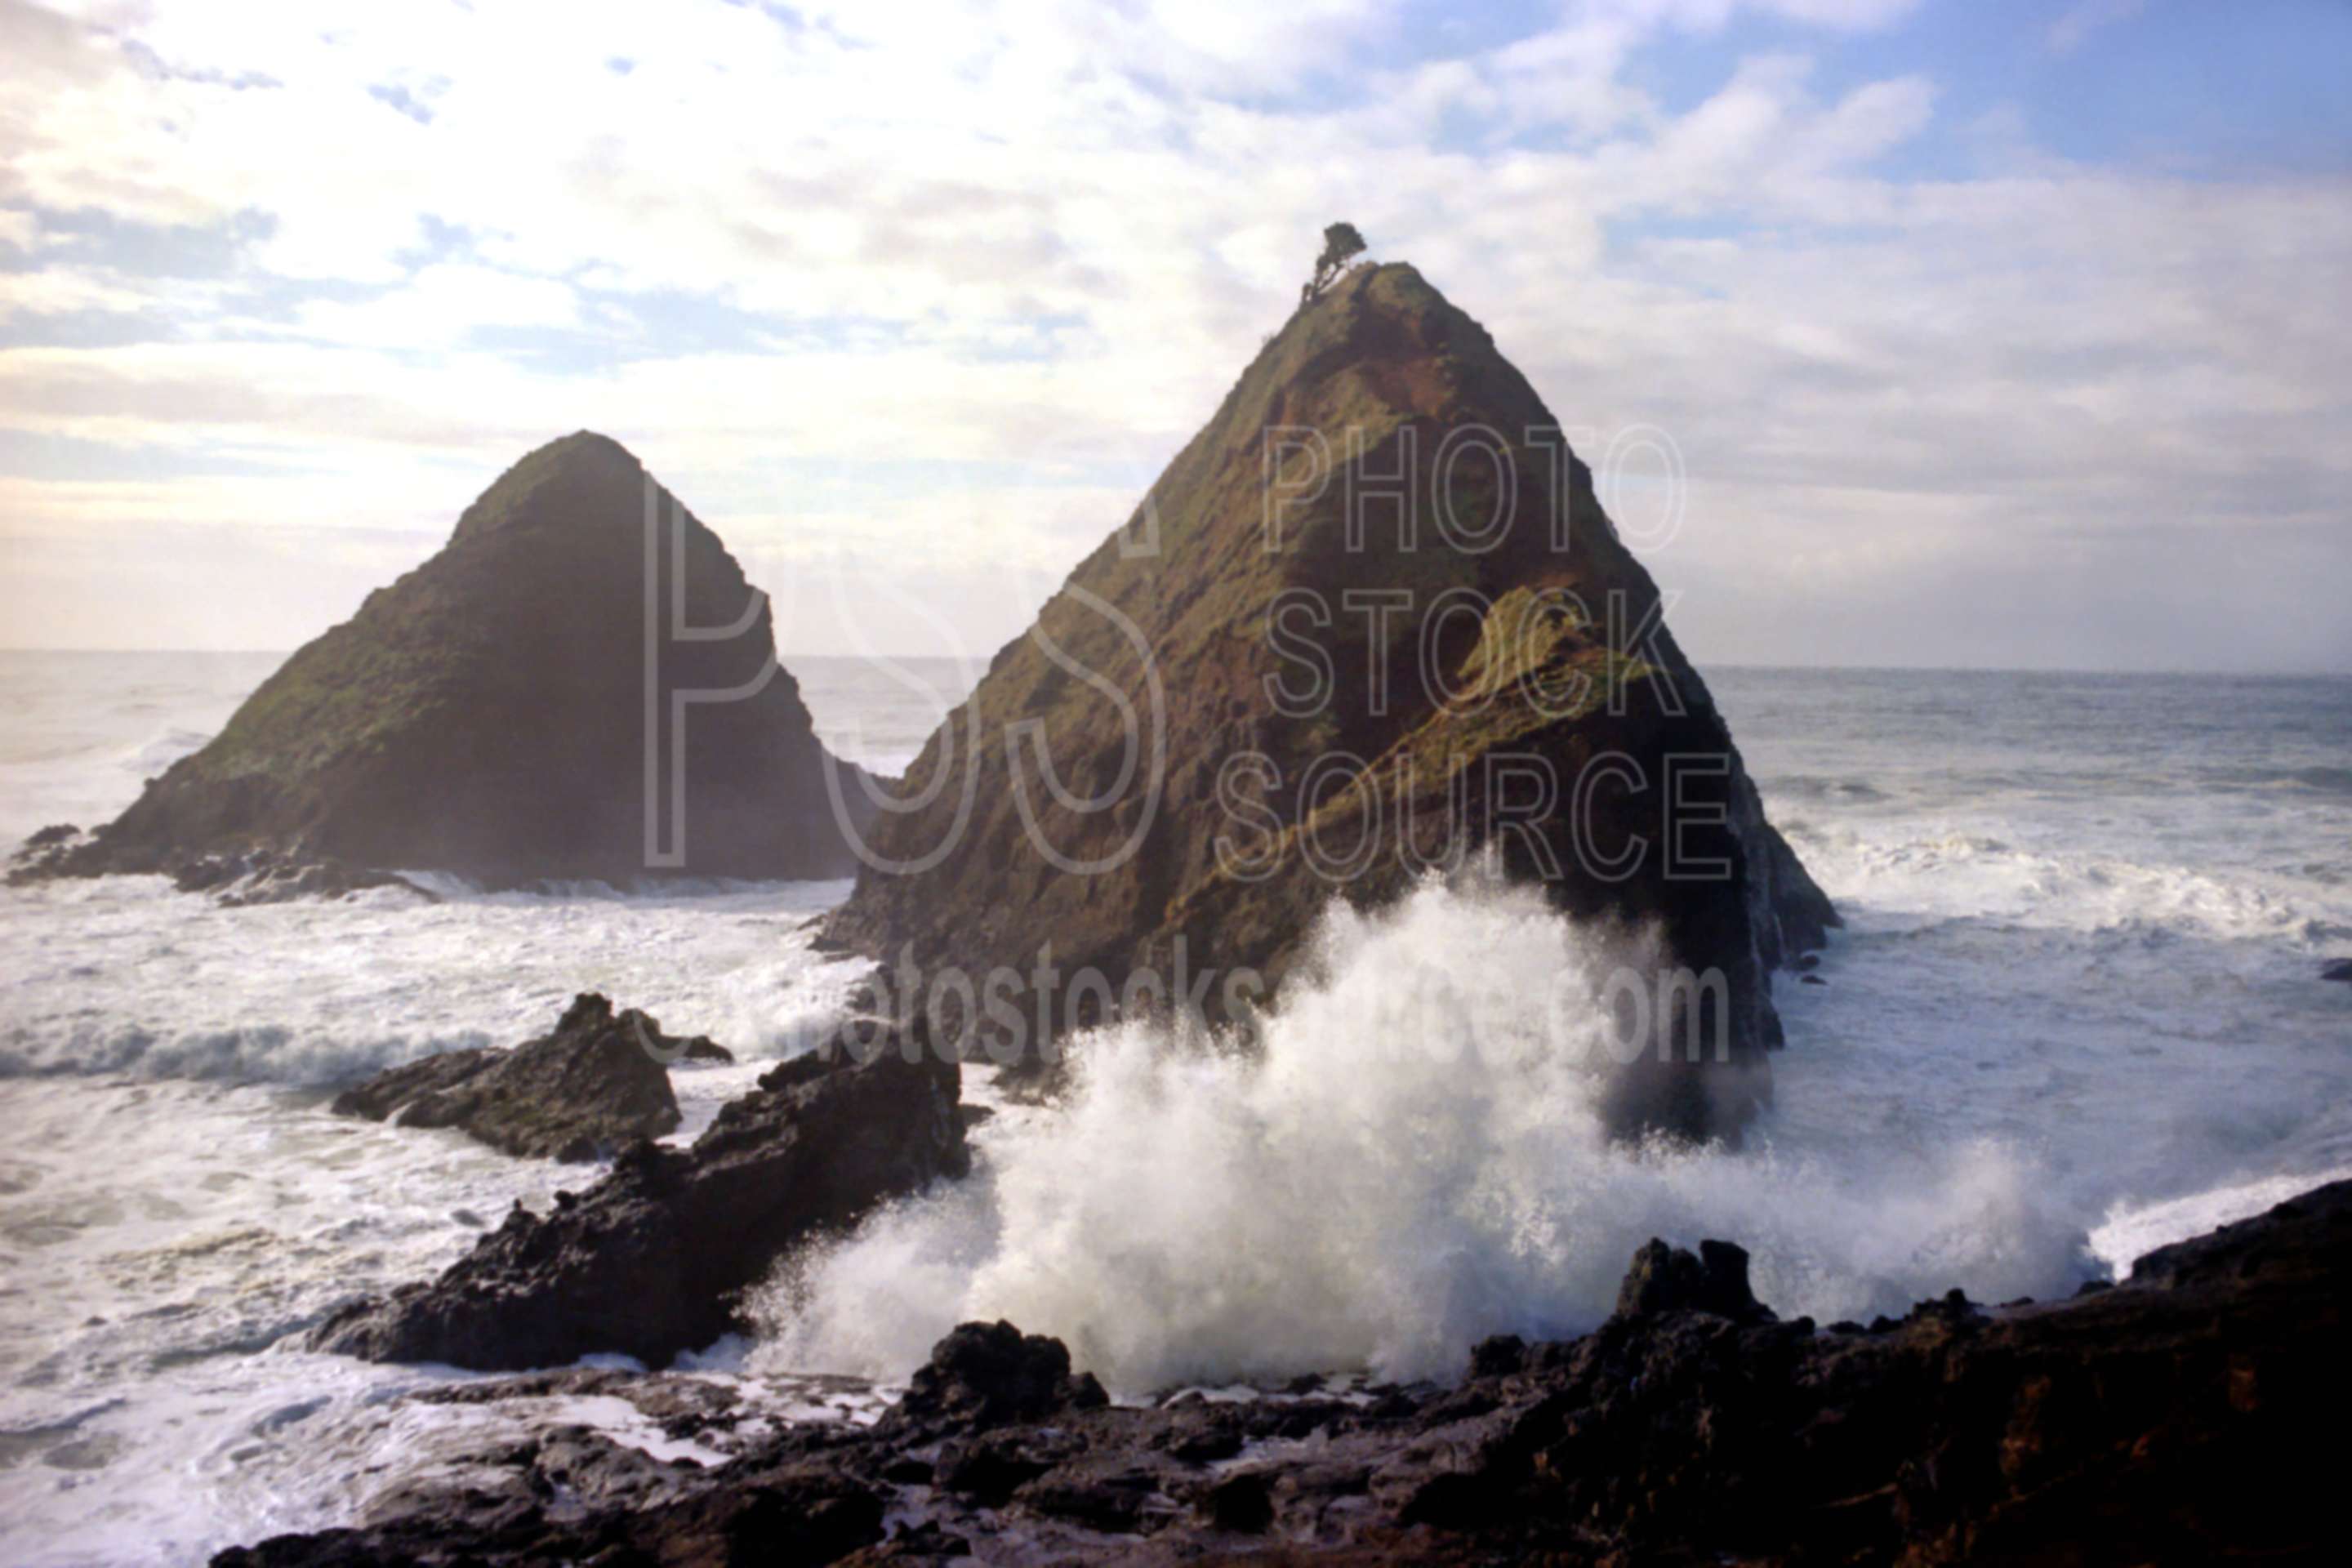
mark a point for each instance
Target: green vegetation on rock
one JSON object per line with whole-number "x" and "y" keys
{"x": 1381, "y": 369}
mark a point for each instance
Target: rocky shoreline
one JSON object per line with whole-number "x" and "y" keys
{"x": 512, "y": 711}
{"x": 651, "y": 1260}
{"x": 2177, "y": 1417}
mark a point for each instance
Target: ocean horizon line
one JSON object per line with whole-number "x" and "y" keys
{"x": 788, "y": 658}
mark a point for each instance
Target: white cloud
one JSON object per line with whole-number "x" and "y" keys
{"x": 441, "y": 306}
{"x": 60, "y": 290}
{"x": 999, "y": 252}
{"x": 2084, "y": 17}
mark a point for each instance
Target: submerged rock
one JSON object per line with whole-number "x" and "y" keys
{"x": 703, "y": 1048}
{"x": 234, "y": 877}
{"x": 44, "y": 852}
{"x": 488, "y": 714}
{"x": 2171, "y": 1418}
{"x": 651, "y": 1261}
{"x": 1272, "y": 663}
{"x": 266, "y": 877}
{"x": 595, "y": 1084}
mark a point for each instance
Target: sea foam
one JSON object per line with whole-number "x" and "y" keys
{"x": 1415, "y": 1159}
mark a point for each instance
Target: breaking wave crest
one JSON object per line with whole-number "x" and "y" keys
{"x": 1366, "y": 1192}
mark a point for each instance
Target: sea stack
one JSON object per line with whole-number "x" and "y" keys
{"x": 502, "y": 711}
{"x": 1380, "y": 579}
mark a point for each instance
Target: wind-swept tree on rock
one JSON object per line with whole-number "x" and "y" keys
{"x": 1341, "y": 244}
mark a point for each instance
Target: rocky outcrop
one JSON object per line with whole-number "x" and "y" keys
{"x": 985, "y": 1375}
{"x": 2180, "y": 1417}
{"x": 489, "y": 714}
{"x": 265, "y": 876}
{"x": 1668, "y": 1280}
{"x": 1260, "y": 694}
{"x": 651, "y": 1260}
{"x": 44, "y": 852}
{"x": 234, "y": 878}
{"x": 597, "y": 1083}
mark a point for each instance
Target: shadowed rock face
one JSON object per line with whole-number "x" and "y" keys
{"x": 1495, "y": 695}
{"x": 985, "y": 1375}
{"x": 650, "y": 1261}
{"x": 2180, "y": 1417}
{"x": 485, "y": 714}
{"x": 1668, "y": 1280}
{"x": 581, "y": 1092}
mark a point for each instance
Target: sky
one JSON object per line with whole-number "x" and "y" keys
{"x": 1985, "y": 333}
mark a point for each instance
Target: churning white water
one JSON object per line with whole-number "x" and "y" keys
{"x": 2076, "y": 1013}
{"x": 1416, "y": 1158}
{"x": 2038, "y": 1056}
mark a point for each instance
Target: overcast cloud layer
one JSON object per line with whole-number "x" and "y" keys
{"x": 1989, "y": 333}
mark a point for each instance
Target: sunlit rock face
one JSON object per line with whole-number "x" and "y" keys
{"x": 1372, "y": 618}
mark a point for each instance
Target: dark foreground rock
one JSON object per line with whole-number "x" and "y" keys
{"x": 597, "y": 1083}
{"x": 488, "y": 714}
{"x": 1263, "y": 693}
{"x": 651, "y": 1260}
{"x": 2183, "y": 1417}
{"x": 984, "y": 1375}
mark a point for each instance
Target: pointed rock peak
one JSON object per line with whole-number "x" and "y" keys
{"x": 1282, "y": 502}
{"x": 1391, "y": 294}
{"x": 1387, "y": 285}
{"x": 582, "y": 451}
{"x": 485, "y": 712}
{"x": 582, "y": 466}
{"x": 1379, "y": 344}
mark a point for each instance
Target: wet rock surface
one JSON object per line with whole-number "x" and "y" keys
{"x": 256, "y": 877}
{"x": 44, "y": 852}
{"x": 2171, "y": 1418}
{"x": 1668, "y": 1280}
{"x": 592, "y": 1086}
{"x": 651, "y": 1260}
{"x": 232, "y": 878}
{"x": 985, "y": 1375}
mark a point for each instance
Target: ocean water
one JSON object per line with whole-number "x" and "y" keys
{"x": 2075, "y": 1013}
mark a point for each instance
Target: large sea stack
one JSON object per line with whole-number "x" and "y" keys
{"x": 1508, "y": 686}
{"x": 487, "y": 713}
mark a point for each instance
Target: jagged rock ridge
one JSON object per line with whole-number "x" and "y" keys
{"x": 650, "y": 1261}
{"x": 594, "y": 1084}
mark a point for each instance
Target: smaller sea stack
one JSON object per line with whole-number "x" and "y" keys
{"x": 503, "y": 710}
